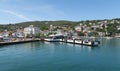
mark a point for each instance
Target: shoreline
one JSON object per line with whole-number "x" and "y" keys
{"x": 36, "y": 39}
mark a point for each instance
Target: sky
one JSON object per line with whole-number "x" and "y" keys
{"x": 15, "y": 11}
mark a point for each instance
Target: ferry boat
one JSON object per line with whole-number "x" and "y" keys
{"x": 74, "y": 41}
{"x": 78, "y": 41}
{"x": 70, "y": 41}
{"x": 91, "y": 42}
{"x": 55, "y": 38}
{"x": 85, "y": 41}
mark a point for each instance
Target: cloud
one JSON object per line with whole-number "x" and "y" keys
{"x": 17, "y": 15}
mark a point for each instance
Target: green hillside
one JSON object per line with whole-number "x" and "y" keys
{"x": 41, "y": 24}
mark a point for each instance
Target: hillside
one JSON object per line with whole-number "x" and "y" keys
{"x": 44, "y": 24}
{"x": 41, "y": 24}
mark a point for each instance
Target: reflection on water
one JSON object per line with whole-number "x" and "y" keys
{"x": 111, "y": 42}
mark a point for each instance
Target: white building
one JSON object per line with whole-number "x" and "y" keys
{"x": 78, "y": 28}
{"x": 94, "y": 27}
{"x": 18, "y": 34}
{"x": 118, "y": 28}
{"x": 5, "y": 33}
{"x": 31, "y": 30}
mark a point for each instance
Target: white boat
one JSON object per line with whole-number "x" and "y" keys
{"x": 78, "y": 41}
{"x": 54, "y": 38}
{"x": 70, "y": 41}
{"x": 91, "y": 43}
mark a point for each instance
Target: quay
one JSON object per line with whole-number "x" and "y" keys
{"x": 18, "y": 41}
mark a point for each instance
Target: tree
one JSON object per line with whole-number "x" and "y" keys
{"x": 100, "y": 30}
{"x": 111, "y": 29}
{"x": 95, "y": 34}
{"x": 81, "y": 34}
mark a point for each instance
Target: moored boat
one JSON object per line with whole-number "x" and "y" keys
{"x": 91, "y": 42}
{"x": 70, "y": 41}
{"x": 54, "y": 38}
{"x": 78, "y": 41}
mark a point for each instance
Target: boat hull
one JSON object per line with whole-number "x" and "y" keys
{"x": 52, "y": 40}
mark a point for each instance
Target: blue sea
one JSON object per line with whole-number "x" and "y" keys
{"x": 58, "y": 56}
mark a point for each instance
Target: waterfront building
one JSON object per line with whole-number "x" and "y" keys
{"x": 31, "y": 31}
{"x": 5, "y": 33}
{"x": 1, "y": 38}
{"x": 18, "y": 34}
{"x": 118, "y": 28}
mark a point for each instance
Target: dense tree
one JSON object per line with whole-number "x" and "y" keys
{"x": 111, "y": 29}
{"x": 95, "y": 34}
{"x": 43, "y": 25}
{"x": 81, "y": 34}
{"x": 67, "y": 25}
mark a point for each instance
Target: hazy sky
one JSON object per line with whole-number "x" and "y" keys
{"x": 12, "y": 11}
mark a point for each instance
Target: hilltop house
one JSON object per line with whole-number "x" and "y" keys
{"x": 94, "y": 27}
{"x": 78, "y": 29}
